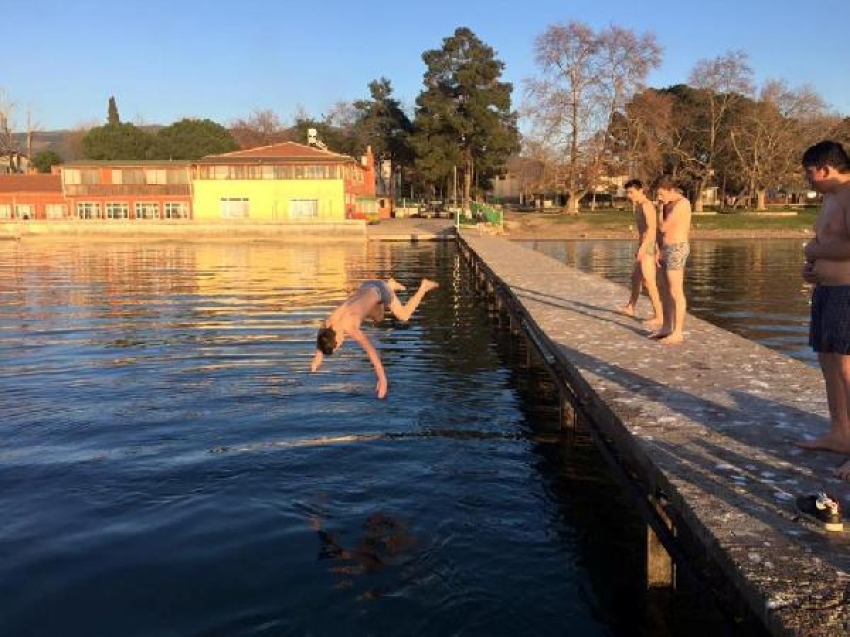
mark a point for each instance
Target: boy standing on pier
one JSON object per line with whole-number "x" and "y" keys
{"x": 369, "y": 301}
{"x": 827, "y": 265}
{"x": 643, "y": 272}
{"x": 675, "y": 248}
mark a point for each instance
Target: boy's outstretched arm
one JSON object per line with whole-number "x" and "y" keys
{"x": 372, "y": 353}
{"x": 317, "y": 360}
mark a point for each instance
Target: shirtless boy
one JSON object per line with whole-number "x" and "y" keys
{"x": 643, "y": 272}
{"x": 369, "y": 301}
{"x": 827, "y": 265}
{"x": 675, "y": 230}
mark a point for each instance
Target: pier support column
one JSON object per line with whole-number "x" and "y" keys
{"x": 660, "y": 567}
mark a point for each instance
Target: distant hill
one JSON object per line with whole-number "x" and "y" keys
{"x": 55, "y": 140}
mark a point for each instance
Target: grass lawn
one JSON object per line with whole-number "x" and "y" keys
{"x": 617, "y": 220}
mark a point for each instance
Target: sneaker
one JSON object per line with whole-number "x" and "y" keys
{"x": 822, "y": 508}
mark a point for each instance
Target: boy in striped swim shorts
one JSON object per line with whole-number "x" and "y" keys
{"x": 370, "y": 301}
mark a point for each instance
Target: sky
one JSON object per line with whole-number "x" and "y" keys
{"x": 164, "y": 60}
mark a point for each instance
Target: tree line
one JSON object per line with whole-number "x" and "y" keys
{"x": 589, "y": 115}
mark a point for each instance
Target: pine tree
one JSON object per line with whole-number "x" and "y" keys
{"x": 112, "y": 117}
{"x": 464, "y": 117}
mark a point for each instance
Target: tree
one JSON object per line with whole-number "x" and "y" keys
{"x": 723, "y": 82}
{"x": 112, "y": 113}
{"x": 8, "y": 143}
{"x": 116, "y": 141}
{"x": 463, "y": 117}
{"x": 191, "y": 139}
{"x": 261, "y": 128}
{"x": 585, "y": 79}
{"x": 770, "y": 136}
{"x": 381, "y": 123}
{"x": 45, "y": 160}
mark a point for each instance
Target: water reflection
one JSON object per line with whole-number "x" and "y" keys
{"x": 750, "y": 287}
{"x": 170, "y": 467}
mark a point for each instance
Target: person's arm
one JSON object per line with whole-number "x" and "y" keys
{"x": 372, "y": 353}
{"x": 680, "y": 215}
{"x": 649, "y": 238}
{"x": 317, "y": 360}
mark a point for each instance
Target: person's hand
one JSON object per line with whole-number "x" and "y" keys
{"x": 808, "y": 250}
{"x": 809, "y": 273}
{"x": 381, "y": 388}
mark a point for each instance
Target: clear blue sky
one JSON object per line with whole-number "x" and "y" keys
{"x": 168, "y": 59}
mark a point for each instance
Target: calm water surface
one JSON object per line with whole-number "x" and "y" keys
{"x": 168, "y": 467}
{"x": 752, "y": 288}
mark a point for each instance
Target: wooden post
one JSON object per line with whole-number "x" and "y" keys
{"x": 660, "y": 568}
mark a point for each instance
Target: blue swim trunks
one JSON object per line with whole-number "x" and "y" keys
{"x": 829, "y": 332}
{"x": 385, "y": 294}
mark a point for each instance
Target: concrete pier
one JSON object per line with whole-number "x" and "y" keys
{"x": 703, "y": 431}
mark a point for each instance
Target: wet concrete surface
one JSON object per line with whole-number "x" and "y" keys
{"x": 709, "y": 425}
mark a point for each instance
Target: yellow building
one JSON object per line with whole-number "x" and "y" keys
{"x": 282, "y": 182}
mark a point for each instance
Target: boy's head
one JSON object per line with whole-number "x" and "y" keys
{"x": 634, "y": 189}
{"x": 326, "y": 340}
{"x": 665, "y": 188}
{"x": 822, "y": 161}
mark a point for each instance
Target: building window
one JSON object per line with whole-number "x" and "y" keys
{"x": 133, "y": 176}
{"x": 71, "y": 176}
{"x": 117, "y": 210}
{"x": 303, "y": 208}
{"x": 177, "y": 176}
{"x": 88, "y": 210}
{"x": 24, "y": 211}
{"x": 56, "y": 211}
{"x": 117, "y": 176}
{"x": 155, "y": 176}
{"x": 5, "y": 211}
{"x": 234, "y": 208}
{"x": 90, "y": 176}
{"x": 176, "y": 210}
{"x": 147, "y": 210}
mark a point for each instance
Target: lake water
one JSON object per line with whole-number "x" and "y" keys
{"x": 752, "y": 288}
{"x": 169, "y": 467}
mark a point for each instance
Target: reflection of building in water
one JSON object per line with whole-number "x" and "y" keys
{"x": 281, "y": 269}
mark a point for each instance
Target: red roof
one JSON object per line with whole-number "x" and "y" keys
{"x": 289, "y": 151}
{"x": 31, "y": 183}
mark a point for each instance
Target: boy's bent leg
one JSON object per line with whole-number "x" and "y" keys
{"x": 404, "y": 312}
{"x": 648, "y": 274}
{"x": 836, "y": 376}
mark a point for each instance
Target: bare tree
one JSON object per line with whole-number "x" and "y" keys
{"x": 8, "y": 144}
{"x": 261, "y": 128}
{"x": 724, "y": 82}
{"x": 772, "y": 134}
{"x": 72, "y": 141}
{"x": 585, "y": 78}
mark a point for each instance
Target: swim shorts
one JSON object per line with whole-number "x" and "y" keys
{"x": 829, "y": 331}
{"x": 675, "y": 255}
{"x": 385, "y": 294}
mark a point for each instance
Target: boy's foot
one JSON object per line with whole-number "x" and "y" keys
{"x": 626, "y": 309}
{"x": 395, "y": 286}
{"x": 829, "y": 442}
{"x": 823, "y": 509}
{"x": 652, "y": 324}
{"x": 672, "y": 339}
{"x": 427, "y": 285}
{"x": 843, "y": 471}
{"x": 658, "y": 335}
